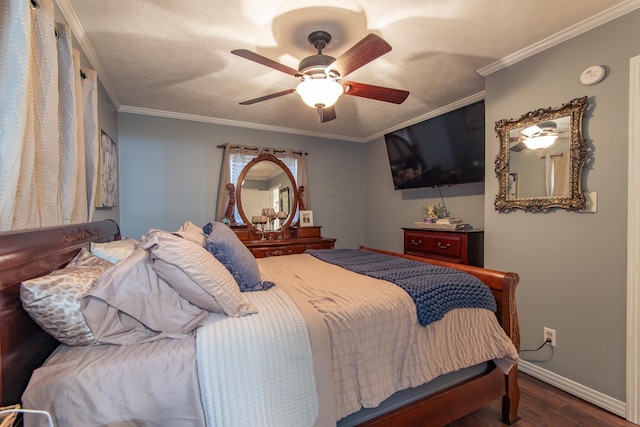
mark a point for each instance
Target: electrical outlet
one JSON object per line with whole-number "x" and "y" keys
{"x": 592, "y": 202}
{"x": 550, "y": 335}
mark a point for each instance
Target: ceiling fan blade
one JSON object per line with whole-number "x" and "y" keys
{"x": 327, "y": 114}
{"x": 518, "y": 147}
{"x": 378, "y": 93}
{"x": 263, "y": 60}
{"x": 270, "y": 96}
{"x": 363, "y": 52}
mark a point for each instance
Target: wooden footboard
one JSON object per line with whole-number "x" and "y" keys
{"x": 459, "y": 400}
{"x": 26, "y": 254}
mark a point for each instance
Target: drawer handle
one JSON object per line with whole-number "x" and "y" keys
{"x": 413, "y": 242}
{"x": 441, "y": 246}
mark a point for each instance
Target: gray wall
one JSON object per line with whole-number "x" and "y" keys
{"x": 170, "y": 170}
{"x": 107, "y": 121}
{"x": 572, "y": 265}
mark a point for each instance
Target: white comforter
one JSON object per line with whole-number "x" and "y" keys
{"x": 377, "y": 345}
{"x": 258, "y": 367}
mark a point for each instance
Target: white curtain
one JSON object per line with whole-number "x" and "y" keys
{"x": 234, "y": 159}
{"x": 43, "y": 142}
{"x": 557, "y": 175}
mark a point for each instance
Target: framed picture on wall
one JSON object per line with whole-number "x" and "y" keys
{"x": 107, "y": 186}
{"x": 306, "y": 219}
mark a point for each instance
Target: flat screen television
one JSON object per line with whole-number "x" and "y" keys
{"x": 444, "y": 150}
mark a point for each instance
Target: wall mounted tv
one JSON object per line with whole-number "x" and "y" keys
{"x": 444, "y": 150}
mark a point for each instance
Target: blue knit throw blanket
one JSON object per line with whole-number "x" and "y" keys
{"x": 435, "y": 290}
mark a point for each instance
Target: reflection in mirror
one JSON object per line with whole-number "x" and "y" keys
{"x": 264, "y": 194}
{"x": 541, "y": 159}
{"x": 285, "y": 203}
{"x": 261, "y": 193}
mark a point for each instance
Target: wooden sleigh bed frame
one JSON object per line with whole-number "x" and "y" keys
{"x": 24, "y": 346}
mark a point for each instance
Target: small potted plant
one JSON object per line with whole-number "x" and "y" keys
{"x": 433, "y": 212}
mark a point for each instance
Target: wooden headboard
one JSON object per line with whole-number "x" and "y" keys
{"x": 26, "y": 254}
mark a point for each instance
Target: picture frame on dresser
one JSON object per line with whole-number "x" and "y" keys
{"x": 306, "y": 219}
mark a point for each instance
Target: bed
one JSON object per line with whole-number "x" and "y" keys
{"x": 24, "y": 346}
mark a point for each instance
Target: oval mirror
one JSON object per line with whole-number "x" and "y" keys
{"x": 541, "y": 159}
{"x": 266, "y": 194}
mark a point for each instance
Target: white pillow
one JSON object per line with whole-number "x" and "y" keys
{"x": 53, "y": 301}
{"x": 114, "y": 251}
{"x": 195, "y": 274}
{"x": 192, "y": 232}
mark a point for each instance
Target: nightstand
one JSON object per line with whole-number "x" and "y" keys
{"x": 459, "y": 246}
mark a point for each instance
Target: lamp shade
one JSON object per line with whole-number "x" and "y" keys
{"x": 540, "y": 141}
{"x": 320, "y": 91}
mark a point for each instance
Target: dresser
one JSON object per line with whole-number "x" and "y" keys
{"x": 295, "y": 241}
{"x": 459, "y": 246}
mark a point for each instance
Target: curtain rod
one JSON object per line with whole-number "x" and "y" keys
{"x": 552, "y": 156}
{"x": 83, "y": 76}
{"x": 256, "y": 149}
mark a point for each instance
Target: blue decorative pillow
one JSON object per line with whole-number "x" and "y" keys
{"x": 207, "y": 228}
{"x": 233, "y": 254}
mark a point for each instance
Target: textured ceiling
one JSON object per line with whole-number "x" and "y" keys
{"x": 172, "y": 58}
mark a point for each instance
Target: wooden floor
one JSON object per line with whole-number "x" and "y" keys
{"x": 543, "y": 405}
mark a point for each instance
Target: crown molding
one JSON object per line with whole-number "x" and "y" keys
{"x": 256, "y": 126}
{"x": 562, "y": 36}
{"x": 234, "y": 123}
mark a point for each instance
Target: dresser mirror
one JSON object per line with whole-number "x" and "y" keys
{"x": 541, "y": 159}
{"x": 266, "y": 195}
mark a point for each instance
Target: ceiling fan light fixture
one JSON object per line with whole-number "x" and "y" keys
{"x": 543, "y": 141}
{"x": 323, "y": 91}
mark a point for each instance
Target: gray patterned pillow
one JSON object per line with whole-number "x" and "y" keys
{"x": 196, "y": 275}
{"x": 53, "y": 301}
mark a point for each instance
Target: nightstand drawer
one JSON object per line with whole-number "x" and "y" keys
{"x": 434, "y": 244}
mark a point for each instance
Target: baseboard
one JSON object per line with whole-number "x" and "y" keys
{"x": 585, "y": 393}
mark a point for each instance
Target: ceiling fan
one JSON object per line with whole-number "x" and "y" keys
{"x": 541, "y": 135}
{"x": 321, "y": 75}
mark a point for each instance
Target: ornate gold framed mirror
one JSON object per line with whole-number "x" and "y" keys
{"x": 266, "y": 195}
{"x": 541, "y": 159}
